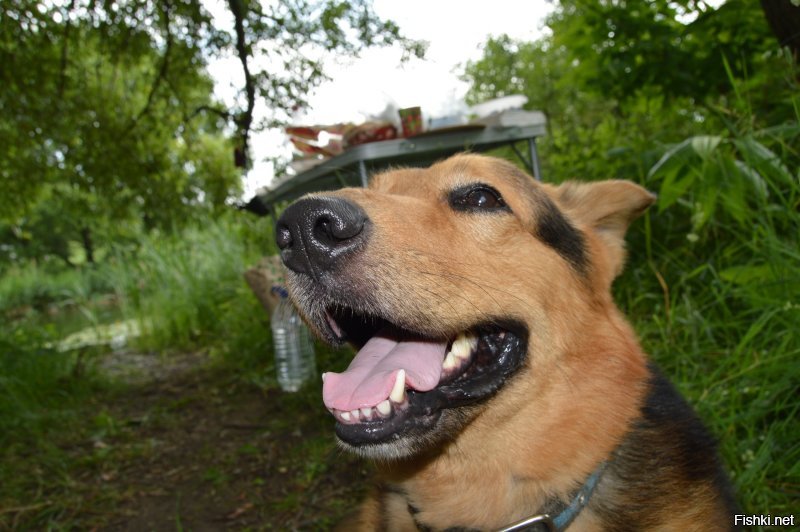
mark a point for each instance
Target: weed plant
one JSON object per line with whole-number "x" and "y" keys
{"x": 713, "y": 289}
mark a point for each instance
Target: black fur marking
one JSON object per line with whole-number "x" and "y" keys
{"x": 554, "y": 229}
{"x": 667, "y": 454}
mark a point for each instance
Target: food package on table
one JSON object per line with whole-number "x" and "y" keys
{"x": 310, "y": 141}
{"x": 369, "y": 132}
{"x": 332, "y": 148}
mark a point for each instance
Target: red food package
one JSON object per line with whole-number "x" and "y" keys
{"x": 370, "y": 132}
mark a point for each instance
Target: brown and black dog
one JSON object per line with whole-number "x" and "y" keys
{"x": 496, "y": 381}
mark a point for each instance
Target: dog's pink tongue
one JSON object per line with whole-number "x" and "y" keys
{"x": 370, "y": 377}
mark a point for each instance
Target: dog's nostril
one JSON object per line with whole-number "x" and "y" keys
{"x": 333, "y": 230}
{"x": 283, "y": 237}
{"x": 322, "y": 228}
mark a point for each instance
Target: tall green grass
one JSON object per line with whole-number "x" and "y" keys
{"x": 32, "y": 286}
{"x": 188, "y": 291}
{"x": 713, "y": 288}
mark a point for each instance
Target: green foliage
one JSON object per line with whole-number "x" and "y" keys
{"x": 616, "y": 48}
{"x": 41, "y": 390}
{"x": 28, "y": 287}
{"x": 187, "y": 289}
{"x": 97, "y": 139}
{"x": 109, "y": 126}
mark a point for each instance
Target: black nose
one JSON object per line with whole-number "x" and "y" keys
{"x": 315, "y": 233}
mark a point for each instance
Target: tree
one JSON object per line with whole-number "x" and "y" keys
{"x": 108, "y": 111}
{"x": 618, "y": 80}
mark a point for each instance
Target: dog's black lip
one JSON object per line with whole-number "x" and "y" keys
{"x": 359, "y": 327}
{"x": 478, "y": 383}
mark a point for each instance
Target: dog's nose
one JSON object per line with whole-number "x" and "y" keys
{"x": 314, "y": 233}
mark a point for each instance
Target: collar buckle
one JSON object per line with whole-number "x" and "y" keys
{"x": 536, "y": 523}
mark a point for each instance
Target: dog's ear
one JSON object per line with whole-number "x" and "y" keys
{"x": 607, "y": 208}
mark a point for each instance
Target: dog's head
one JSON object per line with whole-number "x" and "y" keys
{"x": 457, "y": 284}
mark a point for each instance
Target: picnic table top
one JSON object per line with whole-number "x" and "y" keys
{"x": 352, "y": 167}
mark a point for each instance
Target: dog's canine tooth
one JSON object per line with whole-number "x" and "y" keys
{"x": 463, "y": 345}
{"x": 345, "y": 415}
{"x": 399, "y": 389}
{"x": 449, "y": 361}
{"x": 384, "y": 408}
{"x": 366, "y": 413}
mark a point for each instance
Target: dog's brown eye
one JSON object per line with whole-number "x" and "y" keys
{"x": 477, "y": 197}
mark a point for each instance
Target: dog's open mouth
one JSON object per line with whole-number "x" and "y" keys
{"x": 401, "y": 380}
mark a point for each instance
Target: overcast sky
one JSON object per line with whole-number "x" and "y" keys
{"x": 455, "y": 31}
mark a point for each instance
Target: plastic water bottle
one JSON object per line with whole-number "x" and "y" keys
{"x": 294, "y": 350}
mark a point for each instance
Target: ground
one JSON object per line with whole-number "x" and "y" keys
{"x": 189, "y": 445}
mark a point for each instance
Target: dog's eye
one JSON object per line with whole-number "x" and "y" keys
{"x": 477, "y": 197}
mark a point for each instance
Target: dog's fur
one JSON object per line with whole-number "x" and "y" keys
{"x": 586, "y": 392}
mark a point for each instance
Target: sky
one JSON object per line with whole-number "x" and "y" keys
{"x": 363, "y": 87}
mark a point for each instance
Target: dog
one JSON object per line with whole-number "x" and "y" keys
{"x": 496, "y": 384}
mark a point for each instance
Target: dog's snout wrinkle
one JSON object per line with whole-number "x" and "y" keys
{"x": 314, "y": 234}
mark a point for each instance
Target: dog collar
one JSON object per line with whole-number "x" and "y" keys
{"x": 545, "y": 522}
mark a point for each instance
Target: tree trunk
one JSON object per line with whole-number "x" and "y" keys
{"x": 784, "y": 19}
{"x": 88, "y": 245}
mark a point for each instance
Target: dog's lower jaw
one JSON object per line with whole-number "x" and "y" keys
{"x": 440, "y": 429}
{"x": 402, "y": 448}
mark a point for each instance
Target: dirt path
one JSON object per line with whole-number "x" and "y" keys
{"x": 199, "y": 449}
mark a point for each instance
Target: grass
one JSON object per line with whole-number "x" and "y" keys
{"x": 30, "y": 287}
{"x": 713, "y": 292}
{"x": 42, "y": 401}
{"x": 187, "y": 290}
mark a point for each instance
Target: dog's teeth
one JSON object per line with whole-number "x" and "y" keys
{"x": 384, "y": 408}
{"x": 463, "y": 345}
{"x": 399, "y": 389}
{"x": 449, "y": 361}
{"x": 354, "y": 413}
{"x": 367, "y": 413}
{"x": 323, "y": 376}
{"x": 345, "y": 415}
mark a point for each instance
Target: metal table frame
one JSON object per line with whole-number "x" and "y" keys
{"x": 352, "y": 168}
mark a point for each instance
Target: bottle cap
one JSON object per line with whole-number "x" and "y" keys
{"x": 279, "y": 291}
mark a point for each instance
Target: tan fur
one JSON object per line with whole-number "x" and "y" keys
{"x": 584, "y": 378}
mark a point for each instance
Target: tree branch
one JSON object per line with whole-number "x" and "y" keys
{"x": 245, "y": 119}
{"x": 162, "y": 71}
{"x": 213, "y": 110}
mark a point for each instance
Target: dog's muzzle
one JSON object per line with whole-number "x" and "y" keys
{"x": 406, "y": 385}
{"x": 315, "y": 234}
